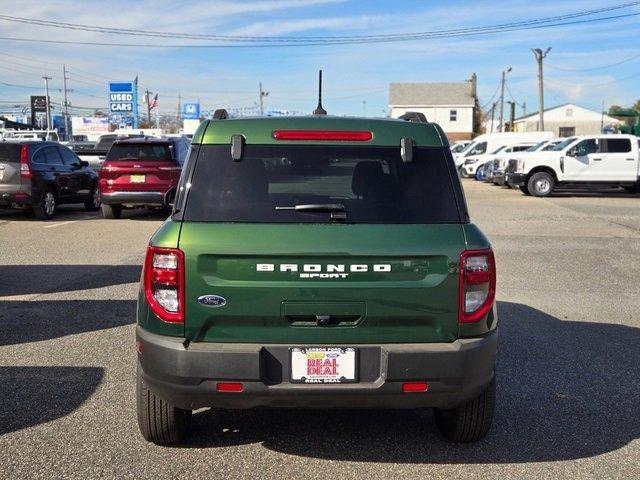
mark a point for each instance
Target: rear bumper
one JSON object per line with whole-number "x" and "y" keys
{"x": 133, "y": 198}
{"x": 517, "y": 179}
{"x": 499, "y": 178}
{"x": 20, "y": 195}
{"x": 187, "y": 376}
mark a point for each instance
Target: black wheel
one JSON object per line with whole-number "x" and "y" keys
{"x": 541, "y": 184}
{"x": 524, "y": 189}
{"x": 111, "y": 211}
{"x": 471, "y": 421}
{"x": 92, "y": 204}
{"x": 46, "y": 207}
{"x": 159, "y": 421}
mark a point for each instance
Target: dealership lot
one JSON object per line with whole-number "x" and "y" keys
{"x": 568, "y": 396}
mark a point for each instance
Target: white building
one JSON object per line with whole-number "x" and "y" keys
{"x": 566, "y": 120}
{"x": 451, "y": 105}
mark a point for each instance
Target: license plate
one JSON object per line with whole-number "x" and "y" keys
{"x": 137, "y": 178}
{"x": 324, "y": 365}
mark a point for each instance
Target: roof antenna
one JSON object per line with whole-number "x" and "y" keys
{"x": 319, "y": 110}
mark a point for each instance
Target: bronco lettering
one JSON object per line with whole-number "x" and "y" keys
{"x": 315, "y": 270}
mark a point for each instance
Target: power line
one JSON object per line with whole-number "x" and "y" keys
{"x": 601, "y": 84}
{"x": 594, "y": 68}
{"x": 486, "y": 104}
{"x": 521, "y": 105}
{"x": 387, "y": 39}
{"x": 356, "y": 38}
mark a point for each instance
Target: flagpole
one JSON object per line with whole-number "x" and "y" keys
{"x": 135, "y": 104}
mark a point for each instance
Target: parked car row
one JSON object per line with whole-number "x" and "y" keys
{"x": 138, "y": 172}
{"x": 590, "y": 161}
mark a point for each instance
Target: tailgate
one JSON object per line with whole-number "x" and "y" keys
{"x": 9, "y": 167}
{"x": 140, "y": 176}
{"x": 322, "y": 283}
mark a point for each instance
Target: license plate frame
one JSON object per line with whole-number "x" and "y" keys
{"x": 348, "y": 353}
{"x": 137, "y": 178}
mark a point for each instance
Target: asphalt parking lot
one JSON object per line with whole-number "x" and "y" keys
{"x": 568, "y": 376}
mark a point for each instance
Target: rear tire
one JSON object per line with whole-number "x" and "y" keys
{"x": 470, "y": 421}
{"x": 524, "y": 189}
{"x": 46, "y": 207}
{"x": 111, "y": 211}
{"x": 160, "y": 422}
{"x": 92, "y": 204}
{"x": 541, "y": 184}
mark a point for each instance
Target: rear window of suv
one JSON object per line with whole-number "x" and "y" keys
{"x": 139, "y": 152}
{"x": 10, "y": 152}
{"x": 372, "y": 184}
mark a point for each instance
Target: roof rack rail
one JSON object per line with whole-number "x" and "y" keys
{"x": 220, "y": 114}
{"x": 414, "y": 117}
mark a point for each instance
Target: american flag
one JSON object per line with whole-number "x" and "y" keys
{"x": 153, "y": 102}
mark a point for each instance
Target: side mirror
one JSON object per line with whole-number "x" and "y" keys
{"x": 84, "y": 163}
{"x": 169, "y": 197}
{"x": 571, "y": 152}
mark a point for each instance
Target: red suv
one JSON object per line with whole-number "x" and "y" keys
{"x": 138, "y": 172}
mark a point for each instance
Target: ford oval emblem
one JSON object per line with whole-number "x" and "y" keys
{"x": 212, "y": 300}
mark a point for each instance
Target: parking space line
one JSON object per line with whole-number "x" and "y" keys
{"x": 60, "y": 224}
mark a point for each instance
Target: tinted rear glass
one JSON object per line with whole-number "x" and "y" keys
{"x": 618, "y": 145}
{"x": 373, "y": 185}
{"x": 10, "y": 152}
{"x": 105, "y": 142}
{"x": 139, "y": 152}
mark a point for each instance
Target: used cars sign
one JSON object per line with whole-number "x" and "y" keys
{"x": 122, "y": 97}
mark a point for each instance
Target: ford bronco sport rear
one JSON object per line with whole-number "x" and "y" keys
{"x": 317, "y": 262}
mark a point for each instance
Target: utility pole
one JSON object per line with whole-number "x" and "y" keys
{"x": 262, "y": 95}
{"x": 540, "y": 56}
{"x": 493, "y": 112}
{"x": 512, "y": 115}
{"x": 504, "y": 74}
{"x": 46, "y": 93}
{"x": 179, "y": 109}
{"x": 67, "y": 129}
{"x": 524, "y": 109}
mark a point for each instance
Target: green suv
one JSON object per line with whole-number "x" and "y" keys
{"x": 317, "y": 262}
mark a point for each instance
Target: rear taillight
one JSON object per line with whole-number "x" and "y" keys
{"x": 25, "y": 168}
{"x": 164, "y": 283}
{"x": 477, "y": 284}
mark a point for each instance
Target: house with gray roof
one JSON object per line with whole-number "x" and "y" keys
{"x": 451, "y": 105}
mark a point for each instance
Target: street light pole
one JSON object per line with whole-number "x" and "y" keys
{"x": 504, "y": 74}
{"x": 46, "y": 93}
{"x": 67, "y": 130}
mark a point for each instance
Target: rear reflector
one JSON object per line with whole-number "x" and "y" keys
{"x": 323, "y": 135}
{"x": 415, "y": 387}
{"x": 229, "y": 387}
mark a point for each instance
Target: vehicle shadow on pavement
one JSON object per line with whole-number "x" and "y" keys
{"x": 34, "y": 395}
{"x": 567, "y": 389}
{"x": 33, "y": 279}
{"x": 34, "y": 321}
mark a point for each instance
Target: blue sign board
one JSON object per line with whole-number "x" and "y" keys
{"x": 191, "y": 111}
{"x": 123, "y": 99}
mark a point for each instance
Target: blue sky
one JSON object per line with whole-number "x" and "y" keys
{"x": 356, "y": 76}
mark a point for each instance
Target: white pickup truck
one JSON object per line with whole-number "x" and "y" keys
{"x": 591, "y": 161}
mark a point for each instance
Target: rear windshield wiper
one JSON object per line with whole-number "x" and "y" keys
{"x": 315, "y": 207}
{"x": 338, "y": 211}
